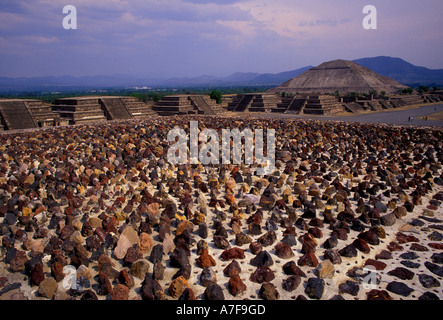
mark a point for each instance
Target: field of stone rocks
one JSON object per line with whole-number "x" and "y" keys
{"x": 96, "y": 212}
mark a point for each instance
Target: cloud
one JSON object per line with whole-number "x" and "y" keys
{"x": 186, "y": 37}
{"x": 327, "y": 23}
{"x": 40, "y": 39}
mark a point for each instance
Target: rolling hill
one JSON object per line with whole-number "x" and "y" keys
{"x": 402, "y": 71}
{"x": 395, "y": 68}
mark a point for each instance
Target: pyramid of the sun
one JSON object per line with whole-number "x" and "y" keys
{"x": 339, "y": 75}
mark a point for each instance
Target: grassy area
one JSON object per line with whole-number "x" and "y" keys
{"x": 434, "y": 116}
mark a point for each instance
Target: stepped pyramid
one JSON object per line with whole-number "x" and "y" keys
{"x": 342, "y": 75}
{"x": 81, "y": 110}
{"x": 187, "y": 104}
{"x": 27, "y": 113}
{"x": 254, "y": 102}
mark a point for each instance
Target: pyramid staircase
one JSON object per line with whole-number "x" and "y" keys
{"x": 138, "y": 109}
{"x": 353, "y": 107}
{"x": 15, "y": 115}
{"x": 114, "y": 109}
{"x": 80, "y": 110}
{"x": 243, "y": 103}
{"x": 202, "y": 105}
{"x": 297, "y": 105}
{"x": 375, "y": 105}
{"x": 174, "y": 105}
{"x": 323, "y": 105}
{"x": 265, "y": 102}
{"x": 385, "y": 104}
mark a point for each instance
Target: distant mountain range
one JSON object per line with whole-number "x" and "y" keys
{"x": 396, "y": 68}
{"x": 403, "y": 71}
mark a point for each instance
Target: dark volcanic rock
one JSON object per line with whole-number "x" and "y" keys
{"x": 255, "y": 247}
{"x": 132, "y": 255}
{"x": 291, "y": 283}
{"x": 17, "y": 263}
{"x": 290, "y": 240}
{"x": 221, "y": 242}
{"x": 418, "y": 247}
{"x": 434, "y": 268}
{"x": 333, "y": 255}
{"x": 375, "y": 294}
{"x": 399, "y": 288}
{"x": 388, "y": 219}
{"x": 309, "y": 244}
{"x": 428, "y": 281}
{"x": 379, "y": 265}
{"x": 37, "y": 274}
{"x": 120, "y": 292}
{"x": 232, "y": 269}
{"x": 331, "y": 242}
{"x": 263, "y": 258}
{"x": 437, "y": 258}
{"x": 268, "y": 291}
{"x": 291, "y": 268}
{"x": 207, "y": 277}
{"x": 233, "y": 253}
{"x": 241, "y": 239}
{"x": 236, "y": 286}
{"x": 314, "y": 288}
{"x": 383, "y": 255}
{"x": 370, "y": 237}
{"x": 402, "y": 273}
{"x": 350, "y": 287}
{"x": 428, "y": 296}
{"x": 158, "y": 270}
{"x": 178, "y": 258}
{"x": 214, "y": 292}
{"x": 349, "y": 251}
{"x": 151, "y": 288}
{"x": 283, "y": 250}
{"x": 268, "y": 238}
{"x": 409, "y": 255}
{"x": 410, "y": 264}
{"x": 308, "y": 259}
{"x": 262, "y": 274}
{"x": 361, "y": 245}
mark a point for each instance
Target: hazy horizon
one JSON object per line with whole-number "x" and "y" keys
{"x": 189, "y": 38}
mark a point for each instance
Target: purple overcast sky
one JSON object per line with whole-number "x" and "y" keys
{"x": 168, "y": 38}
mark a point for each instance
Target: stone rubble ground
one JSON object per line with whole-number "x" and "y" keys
{"x": 352, "y": 211}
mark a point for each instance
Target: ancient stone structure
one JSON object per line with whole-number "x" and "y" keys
{"x": 27, "y": 113}
{"x": 187, "y": 104}
{"x": 294, "y": 104}
{"x": 254, "y": 102}
{"x": 308, "y": 104}
{"x": 137, "y": 108}
{"x": 80, "y": 110}
{"x": 339, "y": 75}
{"x": 323, "y": 105}
{"x": 241, "y": 102}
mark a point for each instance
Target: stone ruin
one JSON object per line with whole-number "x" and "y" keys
{"x": 339, "y": 76}
{"x": 267, "y": 102}
{"x": 24, "y": 114}
{"x": 324, "y": 104}
{"x": 81, "y": 110}
{"x": 187, "y": 104}
{"x": 27, "y": 113}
